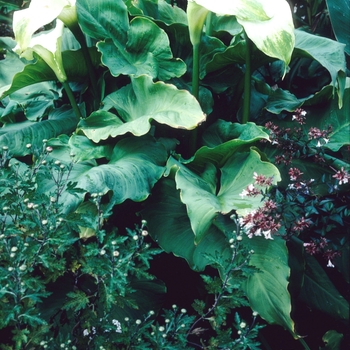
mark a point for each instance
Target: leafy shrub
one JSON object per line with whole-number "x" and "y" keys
{"x": 172, "y": 129}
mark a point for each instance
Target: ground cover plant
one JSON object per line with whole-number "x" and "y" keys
{"x": 174, "y": 175}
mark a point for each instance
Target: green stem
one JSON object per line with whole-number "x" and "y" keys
{"x": 195, "y": 72}
{"x": 72, "y": 100}
{"x": 208, "y": 24}
{"x": 75, "y": 29}
{"x": 195, "y": 93}
{"x": 308, "y": 10}
{"x": 303, "y": 342}
{"x": 247, "y": 82}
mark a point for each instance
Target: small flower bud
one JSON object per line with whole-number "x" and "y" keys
{"x": 102, "y": 252}
{"x": 144, "y": 233}
{"x": 151, "y": 312}
{"x": 14, "y": 249}
{"x": 28, "y": 145}
{"x": 116, "y": 253}
{"x": 231, "y": 240}
{"x": 5, "y": 148}
{"x": 135, "y": 238}
{"x": 242, "y": 324}
{"x": 138, "y": 322}
{"x": 23, "y": 267}
{"x": 183, "y": 311}
{"x": 49, "y": 149}
{"x": 161, "y": 329}
{"x": 126, "y": 319}
{"x": 44, "y": 222}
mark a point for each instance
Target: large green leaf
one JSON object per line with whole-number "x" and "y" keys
{"x": 268, "y": 23}
{"x": 136, "y": 164}
{"x": 267, "y": 289}
{"x": 339, "y": 13}
{"x": 205, "y": 197}
{"x": 319, "y": 292}
{"x": 137, "y": 104}
{"x": 146, "y": 51}
{"x": 223, "y": 139}
{"x": 329, "y": 53}
{"x": 103, "y": 19}
{"x": 159, "y": 10}
{"x": 17, "y": 136}
{"x": 170, "y": 227}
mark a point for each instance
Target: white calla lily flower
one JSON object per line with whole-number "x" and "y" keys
{"x": 268, "y": 23}
{"x": 46, "y": 44}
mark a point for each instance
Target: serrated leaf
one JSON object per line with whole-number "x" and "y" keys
{"x": 78, "y": 300}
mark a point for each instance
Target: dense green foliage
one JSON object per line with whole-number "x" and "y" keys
{"x": 131, "y": 130}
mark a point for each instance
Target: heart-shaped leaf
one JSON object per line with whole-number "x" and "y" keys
{"x": 137, "y": 104}
{"x": 205, "y": 197}
{"x": 147, "y": 51}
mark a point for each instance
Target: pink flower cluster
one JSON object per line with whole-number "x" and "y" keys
{"x": 263, "y": 221}
{"x": 342, "y": 176}
{"x": 318, "y": 247}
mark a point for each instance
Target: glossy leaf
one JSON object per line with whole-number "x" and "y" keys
{"x": 146, "y": 51}
{"x": 137, "y": 104}
{"x": 267, "y": 289}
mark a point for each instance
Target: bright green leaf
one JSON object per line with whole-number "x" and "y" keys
{"x": 137, "y": 104}
{"x": 147, "y": 51}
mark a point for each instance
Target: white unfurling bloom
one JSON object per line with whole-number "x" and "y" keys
{"x": 330, "y": 264}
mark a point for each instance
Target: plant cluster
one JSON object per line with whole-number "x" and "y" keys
{"x": 216, "y": 131}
